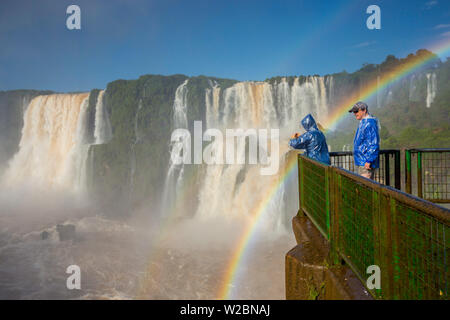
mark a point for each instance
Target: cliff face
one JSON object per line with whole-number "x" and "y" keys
{"x": 132, "y": 167}
{"x": 129, "y": 168}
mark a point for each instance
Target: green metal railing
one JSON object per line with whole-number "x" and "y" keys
{"x": 388, "y": 173}
{"x": 314, "y": 193}
{"x": 368, "y": 223}
{"x": 428, "y": 174}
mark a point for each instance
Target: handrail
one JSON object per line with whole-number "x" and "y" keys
{"x": 432, "y": 173}
{"x": 368, "y": 223}
{"x": 383, "y": 174}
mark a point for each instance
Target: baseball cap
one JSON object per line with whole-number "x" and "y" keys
{"x": 359, "y": 106}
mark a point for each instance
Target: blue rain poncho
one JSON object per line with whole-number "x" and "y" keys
{"x": 313, "y": 141}
{"x": 366, "y": 144}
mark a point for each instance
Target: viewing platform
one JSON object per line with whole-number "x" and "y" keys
{"x": 351, "y": 230}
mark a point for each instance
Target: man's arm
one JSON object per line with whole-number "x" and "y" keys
{"x": 299, "y": 142}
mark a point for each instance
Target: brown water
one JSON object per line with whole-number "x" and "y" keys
{"x": 132, "y": 259}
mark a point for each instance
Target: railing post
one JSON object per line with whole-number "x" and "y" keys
{"x": 408, "y": 171}
{"x": 328, "y": 195}
{"x": 334, "y": 223}
{"x": 395, "y": 261}
{"x": 387, "y": 172}
{"x": 299, "y": 184}
{"x": 397, "y": 172}
{"x": 419, "y": 175}
{"x": 385, "y": 249}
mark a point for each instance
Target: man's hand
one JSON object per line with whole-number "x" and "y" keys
{"x": 295, "y": 135}
{"x": 367, "y": 165}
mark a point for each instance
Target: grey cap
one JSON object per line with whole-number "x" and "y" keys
{"x": 359, "y": 106}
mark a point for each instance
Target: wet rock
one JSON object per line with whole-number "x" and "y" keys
{"x": 45, "y": 235}
{"x": 66, "y": 232}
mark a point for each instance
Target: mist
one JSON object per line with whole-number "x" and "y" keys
{"x": 139, "y": 257}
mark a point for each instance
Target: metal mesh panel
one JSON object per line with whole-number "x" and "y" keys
{"x": 343, "y": 160}
{"x": 315, "y": 192}
{"x": 436, "y": 175}
{"x": 381, "y": 171}
{"x": 372, "y": 224}
{"x": 355, "y": 219}
{"x": 385, "y": 174}
{"x": 421, "y": 255}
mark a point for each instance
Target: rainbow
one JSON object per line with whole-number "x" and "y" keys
{"x": 333, "y": 118}
{"x": 385, "y": 79}
{"x": 249, "y": 230}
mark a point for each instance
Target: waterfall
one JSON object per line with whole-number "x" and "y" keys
{"x": 236, "y": 190}
{"x": 52, "y": 152}
{"x": 102, "y": 131}
{"x": 212, "y": 97}
{"x": 133, "y": 151}
{"x": 330, "y": 85}
{"x": 413, "y": 95}
{"x": 175, "y": 172}
{"x": 431, "y": 88}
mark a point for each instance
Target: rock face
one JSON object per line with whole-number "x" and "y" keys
{"x": 45, "y": 235}
{"x": 309, "y": 273}
{"x": 66, "y": 232}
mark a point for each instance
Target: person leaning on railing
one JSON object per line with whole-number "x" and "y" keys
{"x": 366, "y": 145}
{"x": 313, "y": 141}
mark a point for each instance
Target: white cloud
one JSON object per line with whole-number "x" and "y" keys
{"x": 364, "y": 44}
{"x": 445, "y": 34}
{"x": 430, "y": 4}
{"x": 442, "y": 26}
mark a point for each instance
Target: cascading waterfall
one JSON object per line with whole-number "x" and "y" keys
{"x": 175, "y": 172}
{"x": 330, "y": 93}
{"x": 413, "y": 94}
{"x": 431, "y": 88}
{"x": 102, "y": 131}
{"x": 133, "y": 151}
{"x": 53, "y": 151}
{"x": 212, "y": 105}
{"x": 236, "y": 190}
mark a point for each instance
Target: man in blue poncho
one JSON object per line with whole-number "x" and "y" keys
{"x": 366, "y": 144}
{"x": 313, "y": 141}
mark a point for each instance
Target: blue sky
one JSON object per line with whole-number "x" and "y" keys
{"x": 237, "y": 39}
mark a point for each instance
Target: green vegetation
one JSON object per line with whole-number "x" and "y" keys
{"x": 405, "y": 121}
